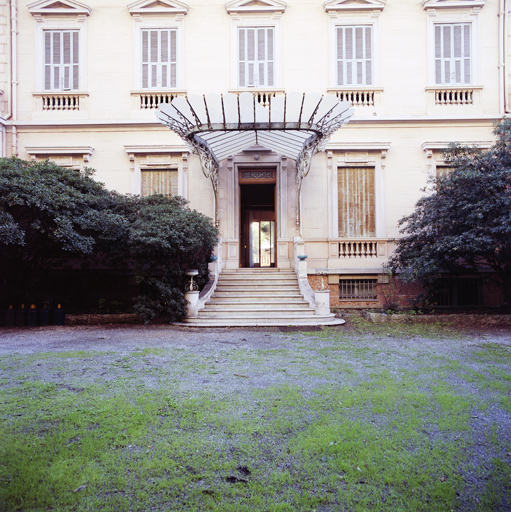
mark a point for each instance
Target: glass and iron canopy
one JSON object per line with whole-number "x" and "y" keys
{"x": 217, "y": 126}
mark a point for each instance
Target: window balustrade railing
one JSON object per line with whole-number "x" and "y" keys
{"x": 357, "y": 98}
{"x": 454, "y": 96}
{"x": 61, "y": 101}
{"x": 359, "y": 248}
{"x": 150, "y": 100}
{"x": 263, "y": 97}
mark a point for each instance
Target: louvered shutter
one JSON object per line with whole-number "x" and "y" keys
{"x": 453, "y": 54}
{"x": 256, "y": 57}
{"x": 47, "y": 61}
{"x": 61, "y": 60}
{"x": 354, "y": 55}
{"x": 159, "y": 59}
{"x": 356, "y": 202}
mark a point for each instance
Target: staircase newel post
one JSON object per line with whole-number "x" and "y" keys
{"x": 322, "y": 297}
{"x": 192, "y": 294}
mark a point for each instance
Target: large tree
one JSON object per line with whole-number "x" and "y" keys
{"x": 464, "y": 225}
{"x": 54, "y": 220}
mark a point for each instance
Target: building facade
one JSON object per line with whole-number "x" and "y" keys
{"x": 80, "y": 84}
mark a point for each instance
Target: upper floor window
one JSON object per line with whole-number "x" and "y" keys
{"x": 61, "y": 43}
{"x": 61, "y": 60}
{"x": 354, "y": 55}
{"x": 158, "y": 42}
{"x": 453, "y": 54}
{"x": 159, "y": 59}
{"x": 256, "y": 57}
{"x": 454, "y": 50}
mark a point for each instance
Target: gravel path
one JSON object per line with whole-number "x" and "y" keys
{"x": 234, "y": 362}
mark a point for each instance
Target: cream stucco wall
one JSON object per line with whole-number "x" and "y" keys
{"x": 394, "y": 134}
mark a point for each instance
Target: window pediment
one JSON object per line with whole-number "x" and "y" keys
{"x": 58, "y": 7}
{"x": 256, "y": 6}
{"x": 452, "y": 4}
{"x": 354, "y": 5}
{"x": 158, "y": 7}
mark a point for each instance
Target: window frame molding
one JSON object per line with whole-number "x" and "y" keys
{"x": 256, "y": 20}
{"x": 76, "y": 155}
{"x": 167, "y": 20}
{"x": 449, "y": 14}
{"x": 68, "y": 21}
{"x": 435, "y": 157}
{"x": 351, "y": 18}
{"x": 158, "y": 157}
{"x": 357, "y": 154}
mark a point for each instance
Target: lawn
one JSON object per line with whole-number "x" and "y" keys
{"x": 362, "y": 418}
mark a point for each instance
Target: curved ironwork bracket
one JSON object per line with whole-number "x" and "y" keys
{"x": 210, "y": 170}
{"x": 303, "y": 165}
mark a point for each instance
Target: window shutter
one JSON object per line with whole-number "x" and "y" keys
{"x": 164, "y": 57}
{"x": 56, "y": 60}
{"x": 251, "y": 56}
{"x": 256, "y": 57}
{"x": 369, "y": 56}
{"x": 270, "y": 57}
{"x": 47, "y": 61}
{"x": 76, "y": 63}
{"x": 145, "y": 59}
{"x": 67, "y": 60}
{"x": 467, "y": 53}
{"x": 452, "y": 54}
{"x": 241, "y": 57}
{"x": 173, "y": 58}
{"x": 340, "y": 56}
{"x": 354, "y": 55}
{"x": 349, "y": 56}
{"x": 159, "y": 58}
{"x": 356, "y": 202}
{"x": 153, "y": 50}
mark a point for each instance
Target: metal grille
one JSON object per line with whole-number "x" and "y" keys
{"x": 256, "y": 175}
{"x": 358, "y": 289}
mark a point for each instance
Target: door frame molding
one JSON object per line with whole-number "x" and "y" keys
{"x": 240, "y": 181}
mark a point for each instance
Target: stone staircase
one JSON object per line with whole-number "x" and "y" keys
{"x": 258, "y": 297}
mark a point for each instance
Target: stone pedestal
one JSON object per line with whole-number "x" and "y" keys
{"x": 322, "y": 302}
{"x": 192, "y": 299}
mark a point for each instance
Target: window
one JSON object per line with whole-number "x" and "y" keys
{"x": 358, "y": 289}
{"x": 453, "y": 65}
{"x": 256, "y": 57}
{"x": 159, "y": 59}
{"x": 356, "y": 202}
{"x": 61, "y": 60}
{"x": 159, "y": 181}
{"x": 158, "y": 50}
{"x": 354, "y": 55}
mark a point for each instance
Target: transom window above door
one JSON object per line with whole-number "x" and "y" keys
{"x": 256, "y": 57}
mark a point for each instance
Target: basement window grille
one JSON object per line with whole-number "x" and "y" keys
{"x": 358, "y": 289}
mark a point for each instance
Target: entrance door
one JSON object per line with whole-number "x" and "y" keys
{"x": 261, "y": 251}
{"x": 257, "y": 229}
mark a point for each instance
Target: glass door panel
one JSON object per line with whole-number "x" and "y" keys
{"x": 262, "y": 241}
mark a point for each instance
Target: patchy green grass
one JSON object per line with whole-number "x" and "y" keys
{"x": 345, "y": 425}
